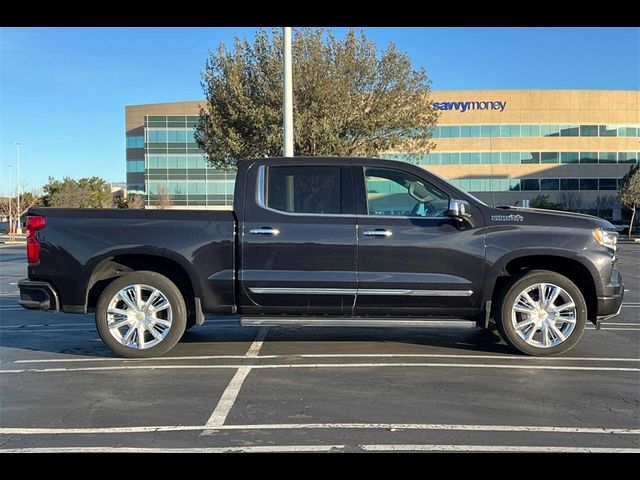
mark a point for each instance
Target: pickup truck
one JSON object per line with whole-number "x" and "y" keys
{"x": 348, "y": 242}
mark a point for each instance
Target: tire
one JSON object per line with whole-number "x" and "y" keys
{"x": 153, "y": 345}
{"x": 542, "y": 318}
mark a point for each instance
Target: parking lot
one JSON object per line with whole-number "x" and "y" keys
{"x": 228, "y": 388}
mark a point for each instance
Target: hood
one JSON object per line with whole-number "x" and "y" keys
{"x": 541, "y": 216}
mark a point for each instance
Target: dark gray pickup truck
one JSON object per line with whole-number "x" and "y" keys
{"x": 327, "y": 242}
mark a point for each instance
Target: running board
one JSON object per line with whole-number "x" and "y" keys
{"x": 352, "y": 322}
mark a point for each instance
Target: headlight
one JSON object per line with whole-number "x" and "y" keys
{"x": 606, "y": 238}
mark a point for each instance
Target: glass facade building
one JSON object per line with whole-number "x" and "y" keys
{"x": 538, "y": 142}
{"x": 169, "y": 162}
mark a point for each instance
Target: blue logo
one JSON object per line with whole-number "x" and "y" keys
{"x": 464, "y": 106}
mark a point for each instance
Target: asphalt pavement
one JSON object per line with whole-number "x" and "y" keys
{"x": 229, "y": 388}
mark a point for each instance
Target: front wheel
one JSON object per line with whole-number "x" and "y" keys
{"x": 541, "y": 313}
{"x": 141, "y": 315}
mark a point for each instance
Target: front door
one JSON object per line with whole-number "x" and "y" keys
{"x": 412, "y": 258}
{"x": 299, "y": 239}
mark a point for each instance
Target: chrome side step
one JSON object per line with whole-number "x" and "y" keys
{"x": 352, "y": 322}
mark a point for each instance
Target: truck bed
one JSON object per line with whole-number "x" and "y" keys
{"x": 76, "y": 241}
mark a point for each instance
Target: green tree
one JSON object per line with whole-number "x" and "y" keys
{"x": 91, "y": 192}
{"x": 629, "y": 194}
{"x": 542, "y": 201}
{"x": 348, "y": 99}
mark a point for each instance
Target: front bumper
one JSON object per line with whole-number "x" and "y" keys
{"x": 610, "y": 306}
{"x": 36, "y": 295}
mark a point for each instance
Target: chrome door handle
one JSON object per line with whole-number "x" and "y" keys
{"x": 264, "y": 231}
{"x": 378, "y": 232}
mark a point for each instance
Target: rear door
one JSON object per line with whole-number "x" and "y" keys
{"x": 298, "y": 239}
{"x": 412, "y": 258}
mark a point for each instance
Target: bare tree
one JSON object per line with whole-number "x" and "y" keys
{"x": 570, "y": 201}
{"x": 604, "y": 202}
{"x": 9, "y": 210}
{"x": 629, "y": 194}
{"x": 135, "y": 201}
{"x": 163, "y": 199}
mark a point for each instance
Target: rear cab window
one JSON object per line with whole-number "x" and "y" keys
{"x": 313, "y": 189}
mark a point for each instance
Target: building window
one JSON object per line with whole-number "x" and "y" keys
{"x": 628, "y": 131}
{"x": 588, "y": 130}
{"x": 608, "y": 157}
{"x": 569, "y": 157}
{"x": 135, "y": 166}
{"x": 550, "y": 184}
{"x": 627, "y": 157}
{"x": 569, "y": 131}
{"x": 530, "y": 184}
{"x": 588, "y": 184}
{"x": 608, "y": 131}
{"x": 550, "y": 130}
{"x": 549, "y": 157}
{"x": 509, "y": 130}
{"x": 588, "y": 157}
{"x": 568, "y": 184}
{"x": 608, "y": 184}
{"x": 135, "y": 142}
{"x": 529, "y": 157}
{"x": 157, "y": 136}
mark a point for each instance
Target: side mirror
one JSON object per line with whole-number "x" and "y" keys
{"x": 459, "y": 209}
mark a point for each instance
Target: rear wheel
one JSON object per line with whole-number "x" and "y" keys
{"x": 541, "y": 313}
{"x": 141, "y": 315}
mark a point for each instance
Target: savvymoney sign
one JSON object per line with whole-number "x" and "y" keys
{"x": 465, "y": 106}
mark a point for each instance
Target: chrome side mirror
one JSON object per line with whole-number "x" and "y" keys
{"x": 459, "y": 209}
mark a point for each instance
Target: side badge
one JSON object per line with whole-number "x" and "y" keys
{"x": 512, "y": 217}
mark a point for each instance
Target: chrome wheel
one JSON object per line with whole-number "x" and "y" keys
{"x": 544, "y": 315}
{"x": 139, "y": 316}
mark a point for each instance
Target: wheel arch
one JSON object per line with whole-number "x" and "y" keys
{"x": 570, "y": 267}
{"x": 109, "y": 267}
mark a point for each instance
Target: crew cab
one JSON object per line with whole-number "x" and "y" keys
{"x": 334, "y": 242}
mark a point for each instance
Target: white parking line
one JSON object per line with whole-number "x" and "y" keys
{"x": 228, "y": 398}
{"x": 331, "y": 355}
{"x": 494, "y": 448}
{"x": 326, "y": 426}
{"x": 255, "y": 347}
{"x": 326, "y": 365}
{"x": 253, "y": 449}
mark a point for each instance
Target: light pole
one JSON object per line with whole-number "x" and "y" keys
{"x": 10, "y": 199}
{"x": 19, "y": 225}
{"x": 287, "y": 97}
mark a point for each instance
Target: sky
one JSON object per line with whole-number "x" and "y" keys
{"x": 63, "y": 90}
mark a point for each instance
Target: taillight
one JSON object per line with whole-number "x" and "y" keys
{"x": 34, "y": 223}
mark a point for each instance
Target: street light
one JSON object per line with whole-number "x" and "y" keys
{"x": 10, "y": 200}
{"x": 19, "y": 226}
